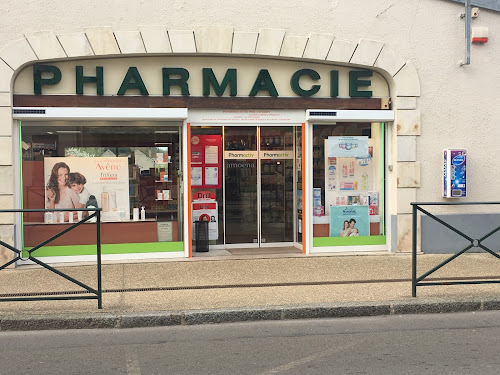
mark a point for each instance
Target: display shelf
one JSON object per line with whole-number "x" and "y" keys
{"x": 91, "y": 222}
{"x": 163, "y": 172}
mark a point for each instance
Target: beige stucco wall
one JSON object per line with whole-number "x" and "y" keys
{"x": 428, "y": 35}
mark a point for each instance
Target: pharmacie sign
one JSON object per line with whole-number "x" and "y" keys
{"x": 194, "y": 76}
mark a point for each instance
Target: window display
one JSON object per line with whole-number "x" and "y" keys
{"x": 348, "y": 178}
{"x": 206, "y": 178}
{"x": 131, "y": 171}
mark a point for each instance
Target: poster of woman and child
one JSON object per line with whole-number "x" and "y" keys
{"x": 349, "y": 221}
{"x": 80, "y": 182}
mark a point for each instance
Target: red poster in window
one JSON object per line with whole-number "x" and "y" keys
{"x": 206, "y": 162}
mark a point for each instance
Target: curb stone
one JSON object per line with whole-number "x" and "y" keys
{"x": 232, "y": 315}
{"x": 196, "y": 317}
{"x": 63, "y": 321}
{"x": 436, "y": 307}
{"x": 153, "y": 319}
{"x": 491, "y": 304}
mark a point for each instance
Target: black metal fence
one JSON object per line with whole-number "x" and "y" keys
{"x": 90, "y": 293}
{"x": 474, "y": 243}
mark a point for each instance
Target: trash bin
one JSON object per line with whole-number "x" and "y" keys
{"x": 201, "y": 236}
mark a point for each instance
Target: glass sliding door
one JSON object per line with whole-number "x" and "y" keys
{"x": 276, "y": 200}
{"x": 276, "y": 161}
{"x": 259, "y": 185}
{"x": 240, "y": 185}
{"x": 241, "y": 201}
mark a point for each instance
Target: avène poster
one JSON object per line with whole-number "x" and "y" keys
{"x": 78, "y": 182}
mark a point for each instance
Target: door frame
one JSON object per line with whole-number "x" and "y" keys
{"x": 260, "y": 244}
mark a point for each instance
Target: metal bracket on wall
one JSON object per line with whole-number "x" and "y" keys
{"x": 467, "y": 17}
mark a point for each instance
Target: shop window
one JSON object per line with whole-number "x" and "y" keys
{"x": 240, "y": 138}
{"x": 277, "y": 138}
{"x": 131, "y": 171}
{"x": 348, "y": 184}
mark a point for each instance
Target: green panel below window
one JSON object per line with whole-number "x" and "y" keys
{"x": 119, "y": 248}
{"x": 348, "y": 241}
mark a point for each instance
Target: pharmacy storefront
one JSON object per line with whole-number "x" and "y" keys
{"x": 271, "y": 153}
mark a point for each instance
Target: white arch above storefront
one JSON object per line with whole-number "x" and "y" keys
{"x": 154, "y": 40}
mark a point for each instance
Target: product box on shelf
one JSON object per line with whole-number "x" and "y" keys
{"x": 163, "y": 176}
{"x": 364, "y": 199}
{"x": 166, "y": 194}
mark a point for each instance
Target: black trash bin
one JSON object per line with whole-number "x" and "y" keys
{"x": 201, "y": 236}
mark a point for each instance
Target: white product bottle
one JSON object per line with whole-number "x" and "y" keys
{"x": 94, "y": 219}
{"x": 364, "y": 181}
{"x": 135, "y": 214}
{"x": 105, "y": 200}
{"x": 92, "y": 203}
{"x": 121, "y": 215}
{"x": 49, "y": 217}
{"x": 112, "y": 200}
{"x": 143, "y": 214}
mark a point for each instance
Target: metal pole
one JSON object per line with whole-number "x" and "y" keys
{"x": 414, "y": 252}
{"x": 467, "y": 31}
{"x": 99, "y": 285}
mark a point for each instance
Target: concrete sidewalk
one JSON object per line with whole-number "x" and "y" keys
{"x": 202, "y": 291}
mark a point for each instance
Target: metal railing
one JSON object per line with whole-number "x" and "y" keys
{"x": 417, "y": 281}
{"x": 94, "y": 293}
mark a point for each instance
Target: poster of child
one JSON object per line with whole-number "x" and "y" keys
{"x": 77, "y": 183}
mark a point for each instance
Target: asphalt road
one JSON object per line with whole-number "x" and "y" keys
{"x": 460, "y": 343}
